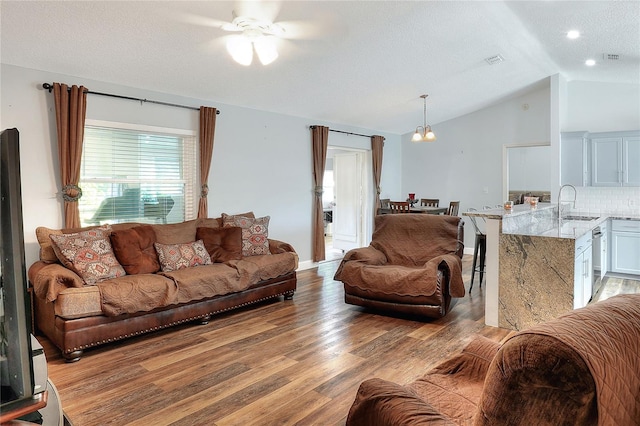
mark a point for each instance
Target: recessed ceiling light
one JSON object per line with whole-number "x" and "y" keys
{"x": 573, "y": 34}
{"x": 590, "y": 62}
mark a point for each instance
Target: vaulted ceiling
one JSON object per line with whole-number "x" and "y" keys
{"x": 360, "y": 63}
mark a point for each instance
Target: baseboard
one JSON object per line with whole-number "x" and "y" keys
{"x": 307, "y": 264}
{"x": 468, "y": 250}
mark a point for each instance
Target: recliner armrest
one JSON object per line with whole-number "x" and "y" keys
{"x": 366, "y": 255}
{"x": 383, "y": 403}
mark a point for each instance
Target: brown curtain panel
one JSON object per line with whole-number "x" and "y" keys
{"x": 71, "y": 110}
{"x": 207, "y": 132}
{"x": 319, "y": 139}
{"x": 377, "y": 143}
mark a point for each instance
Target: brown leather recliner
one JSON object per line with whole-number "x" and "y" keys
{"x": 412, "y": 266}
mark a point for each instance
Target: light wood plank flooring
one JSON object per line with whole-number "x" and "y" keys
{"x": 277, "y": 363}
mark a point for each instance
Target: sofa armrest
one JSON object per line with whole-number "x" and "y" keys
{"x": 383, "y": 403}
{"x": 277, "y": 246}
{"x": 49, "y": 279}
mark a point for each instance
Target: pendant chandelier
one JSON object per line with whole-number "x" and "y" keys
{"x": 424, "y": 133}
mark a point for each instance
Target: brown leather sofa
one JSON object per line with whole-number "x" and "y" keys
{"x": 75, "y": 315}
{"x": 582, "y": 368}
{"x": 412, "y": 266}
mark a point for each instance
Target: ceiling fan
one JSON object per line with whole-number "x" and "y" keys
{"x": 255, "y": 29}
{"x": 258, "y": 35}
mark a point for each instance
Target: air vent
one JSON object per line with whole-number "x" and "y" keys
{"x": 610, "y": 57}
{"x": 492, "y": 60}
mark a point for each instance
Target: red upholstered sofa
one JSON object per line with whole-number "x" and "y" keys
{"x": 582, "y": 368}
{"x": 76, "y": 314}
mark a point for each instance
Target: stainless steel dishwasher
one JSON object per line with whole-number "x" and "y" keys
{"x": 598, "y": 274}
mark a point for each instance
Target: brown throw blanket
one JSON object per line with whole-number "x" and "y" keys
{"x": 404, "y": 256}
{"x": 606, "y": 336}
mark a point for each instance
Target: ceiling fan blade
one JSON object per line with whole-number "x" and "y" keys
{"x": 260, "y": 10}
{"x": 202, "y": 21}
{"x": 308, "y": 30}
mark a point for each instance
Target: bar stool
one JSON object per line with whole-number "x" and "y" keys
{"x": 480, "y": 249}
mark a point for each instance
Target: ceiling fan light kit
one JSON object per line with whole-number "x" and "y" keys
{"x": 256, "y": 35}
{"x": 424, "y": 133}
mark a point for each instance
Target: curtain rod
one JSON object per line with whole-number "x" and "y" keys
{"x": 49, "y": 87}
{"x": 342, "y": 131}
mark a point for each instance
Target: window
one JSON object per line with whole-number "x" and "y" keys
{"x": 137, "y": 174}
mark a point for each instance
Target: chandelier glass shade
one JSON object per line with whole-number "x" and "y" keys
{"x": 424, "y": 133}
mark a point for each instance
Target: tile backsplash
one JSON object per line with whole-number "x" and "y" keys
{"x": 608, "y": 200}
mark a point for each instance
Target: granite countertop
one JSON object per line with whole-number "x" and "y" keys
{"x": 542, "y": 221}
{"x": 517, "y": 210}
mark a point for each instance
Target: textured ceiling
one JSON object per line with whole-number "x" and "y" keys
{"x": 360, "y": 63}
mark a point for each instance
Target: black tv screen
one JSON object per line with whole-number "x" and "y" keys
{"x": 16, "y": 363}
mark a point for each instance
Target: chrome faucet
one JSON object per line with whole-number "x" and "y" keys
{"x": 575, "y": 195}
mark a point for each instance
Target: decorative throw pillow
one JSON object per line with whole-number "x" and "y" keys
{"x": 255, "y": 233}
{"x": 179, "y": 256}
{"x": 135, "y": 251}
{"x": 89, "y": 254}
{"x": 222, "y": 244}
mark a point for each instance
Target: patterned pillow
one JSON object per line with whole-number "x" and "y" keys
{"x": 179, "y": 256}
{"x": 89, "y": 254}
{"x": 255, "y": 233}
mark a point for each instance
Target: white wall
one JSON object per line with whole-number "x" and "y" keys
{"x": 261, "y": 161}
{"x": 601, "y": 107}
{"x": 465, "y": 163}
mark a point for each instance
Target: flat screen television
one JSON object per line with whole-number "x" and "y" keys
{"x": 16, "y": 362}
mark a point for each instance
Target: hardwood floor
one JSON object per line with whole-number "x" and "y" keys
{"x": 276, "y": 363}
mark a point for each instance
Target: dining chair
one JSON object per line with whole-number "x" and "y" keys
{"x": 430, "y": 202}
{"x": 384, "y": 206}
{"x": 399, "y": 207}
{"x": 453, "y": 208}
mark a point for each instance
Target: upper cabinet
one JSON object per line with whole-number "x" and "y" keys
{"x": 600, "y": 159}
{"x": 575, "y": 158}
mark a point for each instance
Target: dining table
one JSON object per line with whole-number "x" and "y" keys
{"x": 420, "y": 209}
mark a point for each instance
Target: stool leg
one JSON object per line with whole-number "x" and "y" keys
{"x": 483, "y": 255}
{"x": 473, "y": 267}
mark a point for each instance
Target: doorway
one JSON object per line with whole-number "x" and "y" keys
{"x": 345, "y": 200}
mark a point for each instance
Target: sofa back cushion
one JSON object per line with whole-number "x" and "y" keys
{"x": 414, "y": 239}
{"x": 89, "y": 254}
{"x": 176, "y": 233}
{"x": 222, "y": 244}
{"x": 135, "y": 251}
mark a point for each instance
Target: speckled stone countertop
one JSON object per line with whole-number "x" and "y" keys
{"x": 542, "y": 221}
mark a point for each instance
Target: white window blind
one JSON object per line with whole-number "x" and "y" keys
{"x": 137, "y": 175}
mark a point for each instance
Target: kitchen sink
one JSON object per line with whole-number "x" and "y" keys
{"x": 583, "y": 218}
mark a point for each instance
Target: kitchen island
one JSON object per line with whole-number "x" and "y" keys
{"x": 537, "y": 267}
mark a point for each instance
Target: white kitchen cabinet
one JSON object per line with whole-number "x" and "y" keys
{"x": 606, "y": 161}
{"x": 631, "y": 161}
{"x": 625, "y": 246}
{"x": 583, "y": 272}
{"x": 574, "y": 158}
{"x": 615, "y": 159}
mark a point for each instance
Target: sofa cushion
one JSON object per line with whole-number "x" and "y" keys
{"x": 135, "y": 251}
{"x": 179, "y": 256}
{"x": 222, "y": 244}
{"x": 176, "y": 233}
{"x": 255, "y": 233}
{"x": 89, "y": 254}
